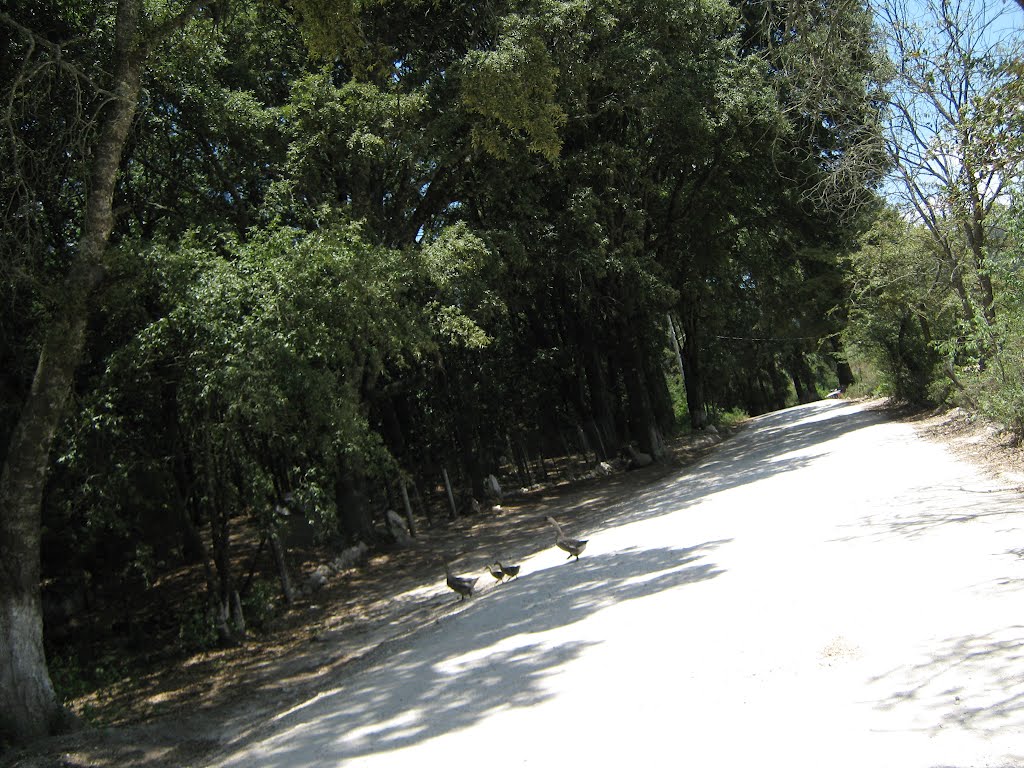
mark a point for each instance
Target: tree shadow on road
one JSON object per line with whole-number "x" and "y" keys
{"x": 972, "y": 682}
{"x": 924, "y": 509}
{"x": 398, "y": 592}
{"x": 487, "y": 656}
{"x": 521, "y": 528}
{"x": 771, "y": 445}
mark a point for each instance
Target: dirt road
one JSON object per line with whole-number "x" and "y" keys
{"x": 825, "y": 589}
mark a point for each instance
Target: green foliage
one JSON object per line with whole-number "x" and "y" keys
{"x": 998, "y": 387}
{"x": 907, "y": 323}
{"x": 197, "y": 630}
{"x": 513, "y": 88}
{"x": 333, "y": 28}
{"x": 261, "y": 604}
{"x": 72, "y": 679}
{"x": 678, "y": 394}
{"x": 434, "y": 229}
{"x": 896, "y": 318}
{"x": 731, "y": 418}
{"x": 68, "y": 678}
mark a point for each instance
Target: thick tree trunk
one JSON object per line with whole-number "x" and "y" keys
{"x": 843, "y": 370}
{"x": 694, "y": 370}
{"x": 219, "y": 581}
{"x": 600, "y": 399}
{"x": 466, "y": 429}
{"x": 28, "y": 706}
{"x": 803, "y": 378}
{"x": 354, "y": 517}
{"x": 643, "y": 424}
{"x": 661, "y": 398}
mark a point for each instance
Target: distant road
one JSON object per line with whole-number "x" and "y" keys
{"x": 824, "y": 590}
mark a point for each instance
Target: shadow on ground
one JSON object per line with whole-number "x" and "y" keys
{"x": 224, "y": 693}
{"x": 770, "y": 445}
{"x": 927, "y": 508}
{"x": 991, "y": 699}
{"x": 488, "y": 656}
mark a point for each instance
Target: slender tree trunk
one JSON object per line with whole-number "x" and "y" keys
{"x": 217, "y": 512}
{"x": 975, "y": 232}
{"x": 466, "y": 429}
{"x": 674, "y": 338}
{"x": 409, "y": 519}
{"x": 28, "y": 706}
{"x": 454, "y": 510}
{"x": 282, "y": 568}
{"x": 423, "y": 506}
{"x": 694, "y": 379}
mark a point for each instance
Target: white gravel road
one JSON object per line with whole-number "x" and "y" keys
{"x": 826, "y": 589}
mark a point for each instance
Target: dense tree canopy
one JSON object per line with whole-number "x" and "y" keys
{"x": 313, "y": 255}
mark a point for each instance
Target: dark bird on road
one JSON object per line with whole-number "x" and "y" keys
{"x": 496, "y": 571}
{"x": 461, "y": 584}
{"x": 510, "y": 571}
{"x": 573, "y": 546}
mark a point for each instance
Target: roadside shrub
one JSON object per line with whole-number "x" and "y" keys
{"x": 72, "y": 679}
{"x": 730, "y": 418}
{"x": 196, "y": 628}
{"x": 260, "y": 604}
{"x": 677, "y": 393}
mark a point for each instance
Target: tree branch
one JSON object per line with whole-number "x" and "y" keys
{"x": 55, "y": 50}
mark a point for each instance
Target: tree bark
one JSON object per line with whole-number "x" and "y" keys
{"x": 843, "y": 370}
{"x": 694, "y": 380}
{"x": 408, "y": 507}
{"x": 28, "y": 706}
{"x": 643, "y": 424}
{"x": 601, "y": 408}
{"x": 674, "y": 338}
{"x": 803, "y": 378}
{"x": 354, "y": 516}
{"x": 282, "y": 568}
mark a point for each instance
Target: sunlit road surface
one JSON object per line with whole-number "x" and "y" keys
{"x": 826, "y": 589}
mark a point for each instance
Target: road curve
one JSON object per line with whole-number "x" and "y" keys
{"x": 826, "y": 589}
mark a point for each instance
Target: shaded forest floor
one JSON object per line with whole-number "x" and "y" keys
{"x": 175, "y": 714}
{"x": 172, "y": 711}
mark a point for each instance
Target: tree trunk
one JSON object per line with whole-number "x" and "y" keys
{"x": 657, "y": 390}
{"x": 466, "y": 429}
{"x": 423, "y": 506}
{"x": 220, "y": 529}
{"x": 354, "y": 516}
{"x": 674, "y": 339}
{"x": 843, "y": 370}
{"x": 643, "y": 424}
{"x": 282, "y": 568}
{"x": 694, "y": 379}
{"x": 453, "y": 508}
{"x": 600, "y": 399}
{"x": 409, "y": 519}
{"x": 803, "y": 379}
{"x": 28, "y": 706}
